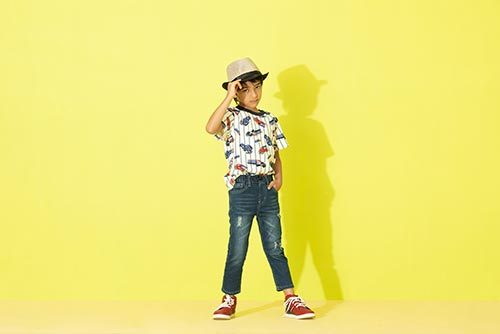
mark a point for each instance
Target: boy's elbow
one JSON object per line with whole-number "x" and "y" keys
{"x": 210, "y": 130}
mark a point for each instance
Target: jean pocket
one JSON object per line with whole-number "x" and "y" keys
{"x": 272, "y": 188}
{"x": 238, "y": 188}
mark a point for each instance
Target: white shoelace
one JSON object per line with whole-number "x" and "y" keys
{"x": 228, "y": 302}
{"x": 294, "y": 302}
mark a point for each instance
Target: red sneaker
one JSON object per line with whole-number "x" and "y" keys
{"x": 296, "y": 308}
{"x": 227, "y": 309}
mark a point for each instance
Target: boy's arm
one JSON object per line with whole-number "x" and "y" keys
{"x": 278, "y": 174}
{"x": 214, "y": 123}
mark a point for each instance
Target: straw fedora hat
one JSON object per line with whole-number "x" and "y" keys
{"x": 243, "y": 69}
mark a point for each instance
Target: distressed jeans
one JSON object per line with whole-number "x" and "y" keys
{"x": 249, "y": 198}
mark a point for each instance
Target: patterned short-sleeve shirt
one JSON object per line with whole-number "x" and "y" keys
{"x": 251, "y": 140}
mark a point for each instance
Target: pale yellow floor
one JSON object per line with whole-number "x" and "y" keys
{"x": 347, "y": 317}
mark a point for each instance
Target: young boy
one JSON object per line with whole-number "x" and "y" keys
{"x": 252, "y": 140}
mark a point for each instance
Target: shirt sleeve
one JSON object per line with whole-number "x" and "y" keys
{"x": 279, "y": 141}
{"x": 227, "y": 125}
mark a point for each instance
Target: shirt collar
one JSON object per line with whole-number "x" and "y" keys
{"x": 261, "y": 113}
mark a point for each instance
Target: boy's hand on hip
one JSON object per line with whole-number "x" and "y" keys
{"x": 275, "y": 184}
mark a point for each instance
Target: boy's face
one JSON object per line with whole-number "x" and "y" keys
{"x": 249, "y": 95}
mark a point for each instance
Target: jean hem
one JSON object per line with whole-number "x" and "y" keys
{"x": 231, "y": 293}
{"x": 279, "y": 288}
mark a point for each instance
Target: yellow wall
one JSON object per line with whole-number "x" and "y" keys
{"x": 111, "y": 189}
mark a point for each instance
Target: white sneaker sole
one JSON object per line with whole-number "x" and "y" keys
{"x": 223, "y": 317}
{"x": 303, "y": 316}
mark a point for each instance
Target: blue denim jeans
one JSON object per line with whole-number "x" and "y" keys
{"x": 249, "y": 198}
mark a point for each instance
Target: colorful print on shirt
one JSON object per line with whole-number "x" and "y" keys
{"x": 250, "y": 142}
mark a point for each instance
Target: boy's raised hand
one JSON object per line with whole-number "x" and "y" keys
{"x": 214, "y": 124}
{"x": 233, "y": 87}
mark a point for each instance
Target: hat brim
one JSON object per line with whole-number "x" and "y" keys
{"x": 247, "y": 77}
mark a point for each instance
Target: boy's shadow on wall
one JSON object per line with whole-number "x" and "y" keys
{"x": 308, "y": 193}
